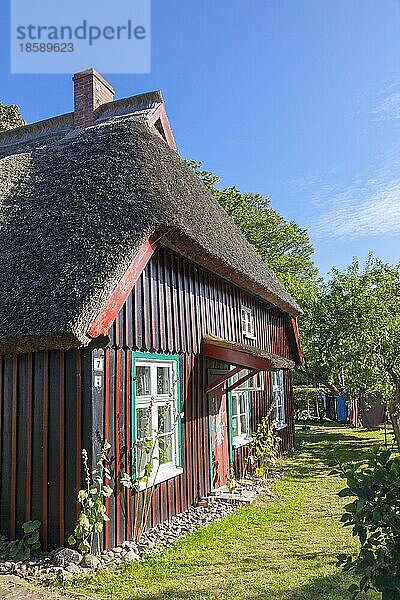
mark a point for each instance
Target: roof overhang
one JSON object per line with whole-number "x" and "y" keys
{"x": 243, "y": 355}
{"x": 183, "y": 243}
{"x": 297, "y": 340}
{"x": 39, "y": 343}
{"x": 110, "y": 310}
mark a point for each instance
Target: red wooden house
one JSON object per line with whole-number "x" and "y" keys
{"x": 124, "y": 283}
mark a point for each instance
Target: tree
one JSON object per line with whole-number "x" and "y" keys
{"x": 284, "y": 246}
{"x": 10, "y": 117}
{"x": 355, "y": 333}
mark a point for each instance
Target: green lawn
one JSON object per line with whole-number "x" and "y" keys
{"x": 279, "y": 549}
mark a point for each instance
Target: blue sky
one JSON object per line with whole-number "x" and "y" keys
{"x": 296, "y": 99}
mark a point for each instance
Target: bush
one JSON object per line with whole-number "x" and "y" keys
{"x": 28, "y": 545}
{"x": 264, "y": 448}
{"x": 374, "y": 515}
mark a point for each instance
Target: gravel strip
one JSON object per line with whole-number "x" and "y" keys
{"x": 65, "y": 562}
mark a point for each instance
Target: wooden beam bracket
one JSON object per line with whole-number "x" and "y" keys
{"x": 242, "y": 380}
{"x": 221, "y": 379}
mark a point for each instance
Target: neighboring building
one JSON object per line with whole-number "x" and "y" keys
{"x": 126, "y": 289}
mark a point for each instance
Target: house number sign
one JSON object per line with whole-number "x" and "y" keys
{"x": 98, "y": 363}
{"x": 98, "y": 368}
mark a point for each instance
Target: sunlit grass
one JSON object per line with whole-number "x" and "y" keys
{"x": 282, "y": 548}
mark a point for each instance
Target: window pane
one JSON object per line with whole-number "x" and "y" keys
{"x": 243, "y": 424}
{"x": 144, "y": 454}
{"x": 280, "y": 379}
{"x": 164, "y": 418}
{"x": 143, "y": 381}
{"x": 235, "y": 430}
{"x": 143, "y": 421}
{"x": 243, "y": 403}
{"x": 163, "y": 380}
{"x": 240, "y": 375}
{"x": 234, "y": 405}
{"x": 165, "y": 449}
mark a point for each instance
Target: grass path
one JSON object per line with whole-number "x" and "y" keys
{"x": 279, "y": 549}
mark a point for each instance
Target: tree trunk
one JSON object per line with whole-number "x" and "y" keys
{"x": 394, "y": 413}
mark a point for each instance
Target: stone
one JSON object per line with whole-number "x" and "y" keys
{"x": 131, "y": 555}
{"x": 127, "y": 545}
{"x": 73, "y": 568}
{"x": 117, "y": 550}
{"x": 89, "y": 561}
{"x": 65, "y": 556}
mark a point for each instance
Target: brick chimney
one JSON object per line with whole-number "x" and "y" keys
{"x": 90, "y": 91}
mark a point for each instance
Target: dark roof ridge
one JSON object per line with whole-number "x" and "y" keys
{"x": 124, "y": 106}
{"x": 144, "y": 101}
{"x": 36, "y": 130}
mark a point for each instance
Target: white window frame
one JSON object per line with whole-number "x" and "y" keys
{"x": 278, "y": 397}
{"x": 155, "y": 400}
{"x": 242, "y": 437}
{"x": 247, "y": 319}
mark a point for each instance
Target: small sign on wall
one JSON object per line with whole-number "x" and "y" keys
{"x": 98, "y": 363}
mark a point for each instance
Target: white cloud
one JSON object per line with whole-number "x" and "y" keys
{"x": 364, "y": 208}
{"x": 387, "y": 107}
{"x": 370, "y": 204}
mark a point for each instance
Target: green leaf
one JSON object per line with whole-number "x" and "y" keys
{"x": 30, "y": 526}
{"x": 33, "y": 539}
{"x": 107, "y": 491}
{"x": 345, "y": 492}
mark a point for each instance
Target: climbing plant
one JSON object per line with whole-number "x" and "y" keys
{"x": 264, "y": 449}
{"x": 148, "y": 456}
{"x": 93, "y": 515}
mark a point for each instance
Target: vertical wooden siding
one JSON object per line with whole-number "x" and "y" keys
{"x": 175, "y": 303}
{"x": 49, "y": 409}
{"x": 174, "y": 495}
{"x": 43, "y": 428}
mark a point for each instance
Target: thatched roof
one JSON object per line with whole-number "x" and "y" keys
{"x": 76, "y": 205}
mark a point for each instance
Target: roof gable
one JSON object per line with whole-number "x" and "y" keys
{"x": 74, "y": 213}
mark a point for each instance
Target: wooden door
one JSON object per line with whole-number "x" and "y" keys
{"x": 219, "y": 436}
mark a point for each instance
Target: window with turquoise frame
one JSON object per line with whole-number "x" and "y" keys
{"x": 240, "y": 403}
{"x": 156, "y": 417}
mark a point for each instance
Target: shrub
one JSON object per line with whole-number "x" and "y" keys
{"x": 374, "y": 514}
{"x": 264, "y": 449}
{"x": 307, "y": 402}
{"x": 28, "y": 545}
